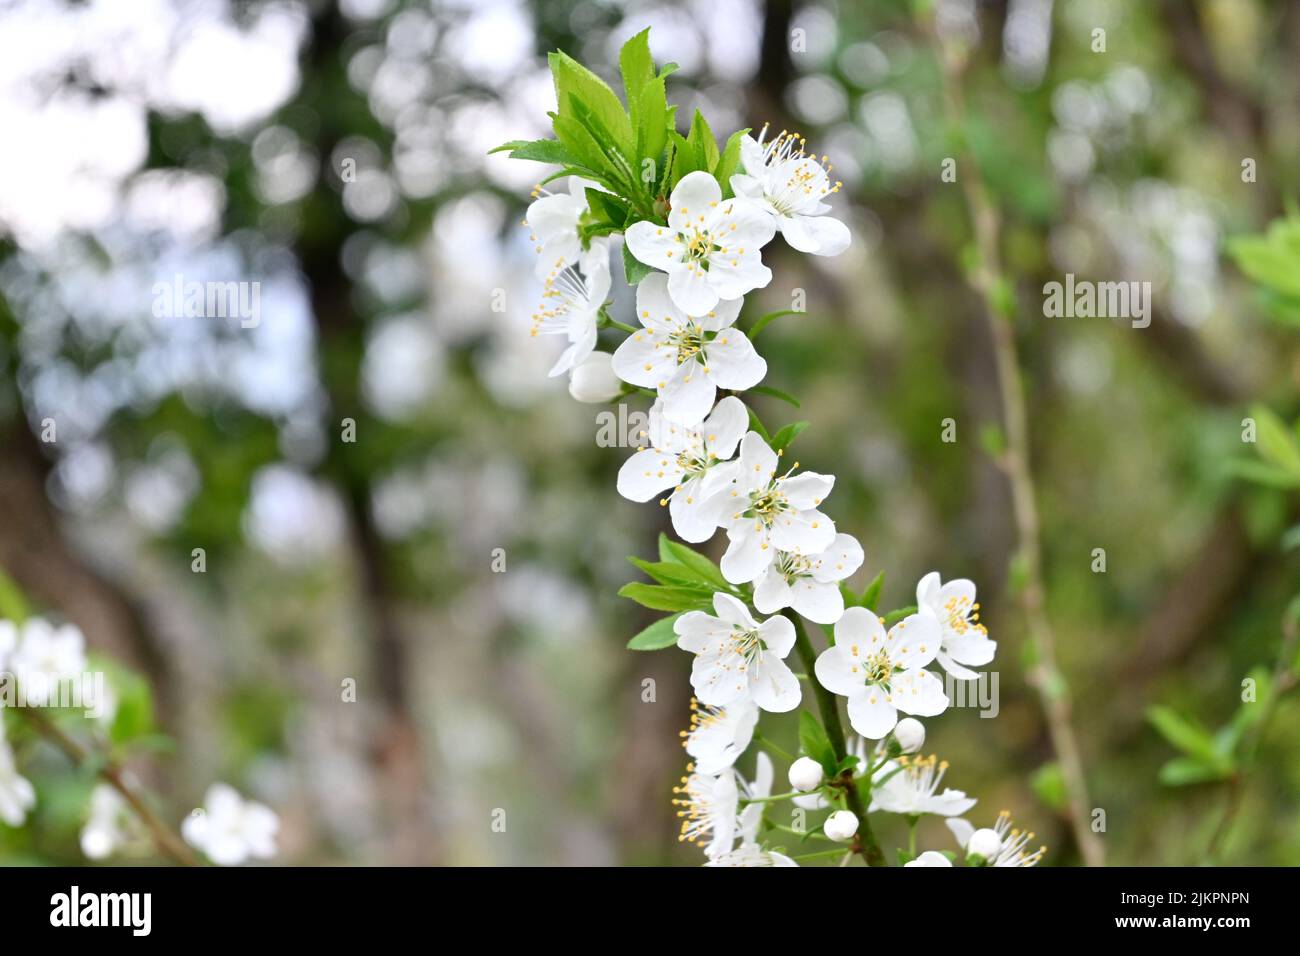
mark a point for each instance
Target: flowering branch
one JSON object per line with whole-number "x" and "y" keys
{"x": 990, "y": 283}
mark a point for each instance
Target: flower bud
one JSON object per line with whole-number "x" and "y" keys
{"x": 983, "y": 846}
{"x": 805, "y": 774}
{"x": 910, "y": 734}
{"x": 841, "y": 826}
{"x": 593, "y": 379}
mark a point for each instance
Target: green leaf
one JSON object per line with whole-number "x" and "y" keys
{"x": 1262, "y": 473}
{"x": 660, "y": 598}
{"x": 756, "y": 425}
{"x": 1182, "y": 733}
{"x": 654, "y": 125}
{"x": 787, "y": 434}
{"x": 638, "y": 69}
{"x": 846, "y": 592}
{"x": 665, "y": 549}
{"x": 728, "y": 162}
{"x": 683, "y": 157}
{"x": 871, "y": 596}
{"x": 633, "y": 268}
{"x": 608, "y": 207}
{"x": 700, "y": 566}
{"x": 1184, "y": 771}
{"x": 671, "y": 573}
{"x": 815, "y": 743}
{"x": 703, "y": 143}
{"x": 538, "y": 150}
{"x": 768, "y": 319}
{"x": 658, "y": 635}
{"x": 575, "y": 85}
{"x": 1277, "y": 444}
{"x": 776, "y": 393}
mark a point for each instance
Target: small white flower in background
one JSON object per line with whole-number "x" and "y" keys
{"x": 908, "y": 787}
{"x": 593, "y": 379}
{"x": 571, "y": 304}
{"x": 686, "y": 356}
{"x": 791, "y": 186}
{"x": 692, "y": 461}
{"x": 881, "y": 673}
{"x": 765, "y": 514}
{"x": 806, "y": 774}
{"x": 910, "y": 734}
{"x": 553, "y": 219}
{"x": 809, "y": 583}
{"x": 231, "y": 830}
{"x": 710, "y": 247}
{"x": 930, "y": 858}
{"x": 841, "y": 825}
{"x": 737, "y": 658}
{"x": 965, "y": 640}
{"x": 17, "y": 795}
{"x": 1011, "y": 842}
{"x": 111, "y": 825}
{"x": 719, "y": 735}
{"x": 45, "y": 655}
{"x": 708, "y": 804}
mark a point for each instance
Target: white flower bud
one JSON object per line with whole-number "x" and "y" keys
{"x": 841, "y": 825}
{"x": 910, "y": 734}
{"x": 805, "y": 774}
{"x": 984, "y": 844}
{"x": 593, "y": 380}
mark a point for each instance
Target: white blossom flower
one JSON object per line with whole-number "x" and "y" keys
{"x": 710, "y": 247}
{"x": 111, "y": 825}
{"x": 708, "y": 804}
{"x": 694, "y": 462}
{"x": 908, "y": 787}
{"x": 17, "y": 795}
{"x": 841, "y": 825}
{"x": 930, "y": 858}
{"x": 719, "y": 735}
{"x": 1011, "y": 841}
{"x": 738, "y": 658}
{"x": 791, "y": 186}
{"x": 46, "y": 655}
{"x": 809, "y": 583}
{"x": 750, "y": 852}
{"x": 984, "y": 845}
{"x": 965, "y": 640}
{"x": 686, "y": 356}
{"x": 553, "y": 219}
{"x": 855, "y": 746}
{"x": 881, "y": 673}
{"x": 571, "y": 304}
{"x": 231, "y": 830}
{"x": 765, "y": 514}
{"x": 593, "y": 379}
{"x": 910, "y": 734}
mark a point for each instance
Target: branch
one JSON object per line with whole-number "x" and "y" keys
{"x": 988, "y": 281}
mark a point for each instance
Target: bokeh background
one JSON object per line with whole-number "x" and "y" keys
{"x": 208, "y": 138}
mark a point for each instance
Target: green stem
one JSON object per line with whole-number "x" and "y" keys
{"x": 783, "y": 754}
{"x": 911, "y": 837}
{"x": 838, "y": 851}
{"x": 830, "y": 715}
{"x": 772, "y": 799}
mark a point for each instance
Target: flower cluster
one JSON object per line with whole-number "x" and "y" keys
{"x": 693, "y": 239}
{"x": 37, "y": 660}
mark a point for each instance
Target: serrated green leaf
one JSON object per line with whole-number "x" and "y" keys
{"x": 729, "y": 162}
{"x": 673, "y": 574}
{"x": 658, "y": 635}
{"x": 704, "y": 569}
{"x": 893, "y": 617}
{"x": 662, "y": 598}
{"x": 703, "y": 143}
{"x": 538, "y": 150}
{"x": 578, "y": 86}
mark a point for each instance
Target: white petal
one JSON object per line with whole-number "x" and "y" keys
{"x": 686, "y": 507}
{"x": 840, "y": 560}
{"x": 645, "y": 359}
{"x": 689, "y": 394}
{"x": 655, "y": 308}
{"x": 862, "y": 627}
{"x": 773, "y": 685}
{"x": 914, "y": 641}
{"x": 838, "y": 671}
{"x": 653, "y": 244}
{"x": 818, "y": 235}
{"x": 733, "y": 611}
{"x": 691, "y": 289}
{"x": 646, "y": 474}
{"x": 871, "y": 714}
{"x": 820, "y": 603}
{"x": 919, "y": 693}
{"x": 808, "y": 490}
{"x": 732, "y": 361}
{"x": 748, "y": 553}
{"x": 771, "y": 592}
{"x": 693, "y": 197}
{"x": 778, "y": 634}
{"x": 725, "y": 426}
{"x": 758, "y": 463}
{"x": 803, "y": 532}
